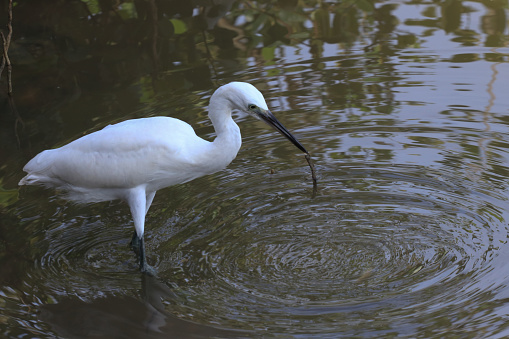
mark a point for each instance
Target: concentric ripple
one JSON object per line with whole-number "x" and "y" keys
{"x": 84, "y": 250}
{"x": 381, "y": 245}
{"x": 370, "y": 239}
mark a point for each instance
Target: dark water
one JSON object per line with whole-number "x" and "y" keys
{"x": 404, "y": 107}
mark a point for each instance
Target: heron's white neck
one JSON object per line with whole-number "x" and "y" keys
{"x": 228, "y": 139}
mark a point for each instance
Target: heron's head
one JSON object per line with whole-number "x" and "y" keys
{"x": 245, "y": 97}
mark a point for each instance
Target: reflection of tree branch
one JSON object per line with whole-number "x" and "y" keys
{"x": 281, "y": 22}
{"x": 223, "y": 23}
{"x": 484, "y": 142}
{"x": 6, "y": 61}
{"x": 489, "y": 89}
{"x": 6, "y": 41}
{"x": 273, "y": 16}
{"x": 209, "y": 55}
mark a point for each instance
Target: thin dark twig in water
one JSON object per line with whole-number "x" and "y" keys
{"x": 313, "y": 171}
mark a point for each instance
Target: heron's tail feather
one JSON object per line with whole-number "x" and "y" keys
{"x": 39, "y": 169}
{"x": 32, "y": 179}
{"x": 27, "y": 180}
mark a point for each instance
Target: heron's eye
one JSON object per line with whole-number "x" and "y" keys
{"x": 251, "y": 107}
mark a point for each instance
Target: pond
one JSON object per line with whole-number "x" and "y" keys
{"x": 403, "y": 106}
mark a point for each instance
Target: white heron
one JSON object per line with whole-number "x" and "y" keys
{"x": 133, "y": 159}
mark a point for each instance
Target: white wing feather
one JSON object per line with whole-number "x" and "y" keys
{"x": 127, "y": 154}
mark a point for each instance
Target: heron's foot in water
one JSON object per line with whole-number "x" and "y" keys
{"x": 148, "y": 270}
{"x": 138, "y": 245}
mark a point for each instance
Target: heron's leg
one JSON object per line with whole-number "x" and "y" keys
{"x": 137, "y": 200}
{"x": 144, "y": 267}
{"x": 135, "y": 241}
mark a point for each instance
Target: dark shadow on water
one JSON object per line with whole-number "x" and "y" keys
{"x": 126, "y": 317}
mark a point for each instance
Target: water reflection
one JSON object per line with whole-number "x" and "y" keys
{"x": 403, "y": 105}
{"x": 142, "y": 316}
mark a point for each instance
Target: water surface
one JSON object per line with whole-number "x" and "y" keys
{"x": 403, "y": 107}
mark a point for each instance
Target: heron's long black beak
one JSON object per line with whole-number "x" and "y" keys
{"x": 270, "y": 119}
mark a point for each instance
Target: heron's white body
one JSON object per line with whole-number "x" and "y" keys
{"x": 133, "y": 159}
{"x": 149, "y": 153}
